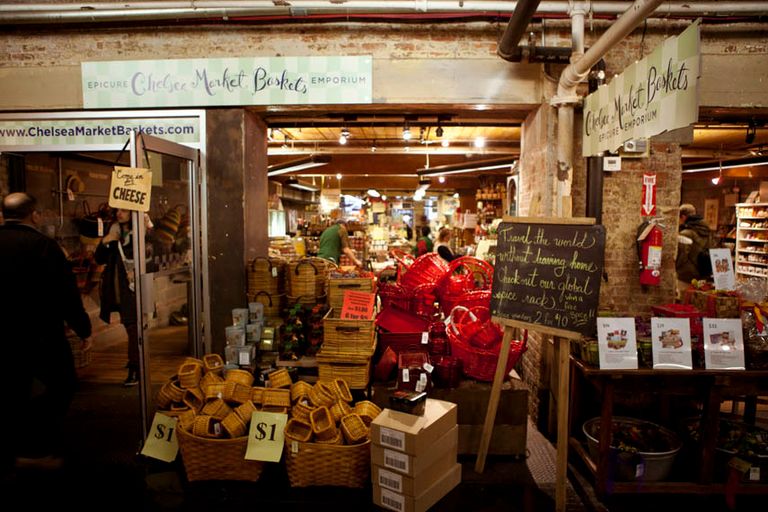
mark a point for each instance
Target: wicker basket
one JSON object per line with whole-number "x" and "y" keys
{"x": 338, "y": 438}
{"x": 367, "y": 411}
{"x": 208, "y": 379}
{"x": 341, "y": 389}
{"x": 308, "y": 277}
{"x": 206, "y": 426}
{"x": 239, "y": 376}
{"x": 190, "y": 375}
{"x": 354, "y": 429}
{"x": 321, "y": 395}
{"x": 276, "y": 398}
{"x": 214, "y": 391}
{"x": 238, "y": 393}
{"x": 273, "y": 303}
{"x": 317, "y": 464}
{"x": 245, "y": 410}
{"x": 280, "y": 379}
{"x": 234, "y": 425}
{"x": 257, "y": 395}
{"x": 217, "y": 459}
{"x": 298, "y": 430}
{"x": 339, "y": 410}
{"x": 353, "y": 367}
{"x": 213, "y": 363}
{"x": 338, "y": 285}
{"x": 301, "y": 411}
{"x": 194, "y": 398}
{"x": 187, "y": 419}
{"x": 323, "y": 425}
{"x": 347, "y": 336}
{"x": 298, "y": 389}
{"x": 217, "y": 408}
{"x": 266, "y": 275}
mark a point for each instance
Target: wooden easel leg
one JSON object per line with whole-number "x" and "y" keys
{"x": 561, "y": 466}
{"x": 493, "y": 401}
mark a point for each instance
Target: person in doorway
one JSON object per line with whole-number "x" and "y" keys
{"x": 38, "y": 299}
{"x": 443, "y": 244}
{"x": 424, "y": 243}
{"x": 334, "y": 241}
{"x": 693, "y": 252}
{"x": 115, "y": 252}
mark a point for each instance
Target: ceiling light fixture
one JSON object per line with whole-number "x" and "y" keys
{"x": 445, "y": 143}
{"x": 406, "y": 131}
{"x": 384, "y": 197}
{"x": 373, "y": 192}
{"x": 294, "y": 182}
{"x": 441, "y": 179}
{"x": 343, "y": 136}
{"x": 299, "y": 164}
{"x": 751, "y": 132}
{"x": 478, "y": 165}
{"x": 439, "y": 131}
{"x": 338, "y": 176}
{"x": 734, "y": 166}
{"x": 479, "y": 142}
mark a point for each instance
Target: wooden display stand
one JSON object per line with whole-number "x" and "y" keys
{"x": 533, "y": 271}
{"x": 709, "y": 386}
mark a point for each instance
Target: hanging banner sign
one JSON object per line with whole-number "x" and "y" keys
{"x": 649, "y": 195}
{"x": 131, "y": 188}
{"x": 228, "y": 81}
{"x": 653, "y": 95}
{"x": 33, "y": 133}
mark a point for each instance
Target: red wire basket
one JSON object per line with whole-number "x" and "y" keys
{"x": 427, "y": 268}
{"x": 466, "y": 274}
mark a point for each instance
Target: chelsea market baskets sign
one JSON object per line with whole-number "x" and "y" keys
{"x": 229, "y": 81}
{"x": 655, "y": 94}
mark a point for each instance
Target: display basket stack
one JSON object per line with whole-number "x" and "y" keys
{"x": 467, "y": 283}
{"x": 348, "y": 355}
{"x": 266, "y": 275}
{"x": 214, "y": 411}
{"x": 273, "y": 304}
{"x": 327, "y": 439}
{"x": 308, "y": 280}
{"x": 340, "y": 282}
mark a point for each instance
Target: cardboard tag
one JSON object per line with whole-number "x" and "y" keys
{"x": 274, "y": 271}
{"x": 357, "y": 305}
{"x": 130, "y": 188}
{"x": 265, "y": 438}
{"x": 406, "y": 375}
{"x": 70, "y": 195}
{"x": 161, "y": 442}
{"x": 428, "y": 367}
{"x": 639, "y": 470}
{"x": 100, "y": 228}
{"x": 754, "y": 474}
{"x": 245, "y": 358}
{"x": 294, "y": 447}
{"x": 424, "y": 338}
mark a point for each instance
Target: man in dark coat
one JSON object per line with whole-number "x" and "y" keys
{"x": 38, "y": 295}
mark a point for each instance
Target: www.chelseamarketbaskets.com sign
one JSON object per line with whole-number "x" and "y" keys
{"x": 653, "y": 95}
{"x": 229, "y": 81}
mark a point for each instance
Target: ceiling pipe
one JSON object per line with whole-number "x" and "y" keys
{"x": 102, "y": 12}
{"x": 566, "y": 97}
{"x": 518, "y": 24}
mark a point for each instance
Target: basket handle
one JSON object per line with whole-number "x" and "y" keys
{"x": 347, "y": 328}
{"x": 305, "y": 262}
{"x": 485, "y": 268}
{"x": 257, "y": 258}
{"x": 269, "y": 296}
{"x": 401, "y": 257}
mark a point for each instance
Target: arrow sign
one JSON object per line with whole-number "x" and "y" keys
{"x": 649, "y": 195}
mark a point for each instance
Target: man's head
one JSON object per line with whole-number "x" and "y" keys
{"x": 686, "y": 210}
{"x": 21, "y": 207}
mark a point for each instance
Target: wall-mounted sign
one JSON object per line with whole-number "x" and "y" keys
{"x": 653, "y": 95}
{"x": 229, "y": 81}
{"x": 131, "y": 188}
{"x": 648, "y": 208}
{"x": 34, "y": 133}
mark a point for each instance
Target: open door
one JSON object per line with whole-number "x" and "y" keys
{"x": 168, "y": 273}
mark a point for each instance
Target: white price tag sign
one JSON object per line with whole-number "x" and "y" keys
{"x": 265, "y": 438}
{"x": 424, "y": 338}
{"x": 406, "y": 375}
{"x": 161, "y": 442}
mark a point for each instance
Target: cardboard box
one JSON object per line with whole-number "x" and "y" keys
{"x": 411, "y": 434}
{"x": 412, "y": 465}
{"x": 402, "y": 503}
{"x": 415, "y": 484}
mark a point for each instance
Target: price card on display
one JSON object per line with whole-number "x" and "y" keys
{"x": 357, "y": 305}
{"x": 671, "y": 343}
{"x": 616, "y": 343}
{"x": 131, "y": 188}
{"x": 161, "y": 443}
{"x": 722, "y": 269}
{"x": 723, "y": 344}
{"x": 265, "y": 438}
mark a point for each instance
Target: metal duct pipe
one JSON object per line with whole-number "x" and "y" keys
{"x": 566, "y": 96}
{"x": 518, "y": 23}
{"x": 147, "y": 11}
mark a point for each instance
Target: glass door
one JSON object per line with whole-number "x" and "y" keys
{"x": 168, "y": 273}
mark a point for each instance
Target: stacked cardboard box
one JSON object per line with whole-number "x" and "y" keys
{"x": 413, "y": 458}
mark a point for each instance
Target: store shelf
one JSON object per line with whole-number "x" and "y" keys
{"x": 754, "y": 213}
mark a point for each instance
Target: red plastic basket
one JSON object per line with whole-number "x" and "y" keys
{"x": 480, "y": 364}
{"x": 392, "y": 294}
{"x": 466, "y": 274}
{"x": 427, "y": 268}
{"x": 468, "y": 299}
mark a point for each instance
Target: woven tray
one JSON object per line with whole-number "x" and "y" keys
{"x": 217, "y": 459}
{"x": 310, "y": 464}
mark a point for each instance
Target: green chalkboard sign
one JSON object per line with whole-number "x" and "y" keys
{"x": 548, "y": 274}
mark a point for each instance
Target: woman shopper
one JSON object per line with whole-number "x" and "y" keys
{"x": 117, "y": 285}
{"x": 443, "y": 244}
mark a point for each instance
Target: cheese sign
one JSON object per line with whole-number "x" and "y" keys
{"x": 131, "y": 188}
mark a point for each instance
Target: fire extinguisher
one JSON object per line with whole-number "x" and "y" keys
{"x": 649, "y": 243}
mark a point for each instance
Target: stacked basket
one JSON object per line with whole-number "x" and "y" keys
{"x": 266, "y": 284}
{"x": 214, "y": 411}
{"x": 348, "y": 346}
{"x": 327, "y": 439}
{"x": 308, "y": 280}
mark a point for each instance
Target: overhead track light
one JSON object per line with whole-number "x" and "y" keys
{"x": 479, "y": 165}
{"x": 299, "y": 164}
{"x": 721, "y": 167}
{"x": 294, "y": 182}
{"x": 751, "y": 132}
{"x": 406, "y": 132}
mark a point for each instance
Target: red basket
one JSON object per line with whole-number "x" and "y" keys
{"x": 480, "y": 364}
{"x": 392, "y": 294}
{"x": 463, "y": 276}
{"x": 427, "y": 268}
{"x": 469, "y": 299}
{"x": 422, "y": 301}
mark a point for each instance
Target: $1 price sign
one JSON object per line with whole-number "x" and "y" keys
{"x": 265, "y": 438}
{"x": 161, "y": 443}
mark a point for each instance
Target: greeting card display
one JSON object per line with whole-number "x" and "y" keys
{"x": 616, "y": 343}
{"x": 671, "y": 343}
{"x": 723, "y": 344}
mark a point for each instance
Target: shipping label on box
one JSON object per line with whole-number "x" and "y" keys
{"x": 412, "y": 465}
{"x": 414, "y": 434}
{"x": 413, "y": 485}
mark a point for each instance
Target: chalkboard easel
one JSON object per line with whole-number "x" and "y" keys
{"x": 552, "y": 265}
